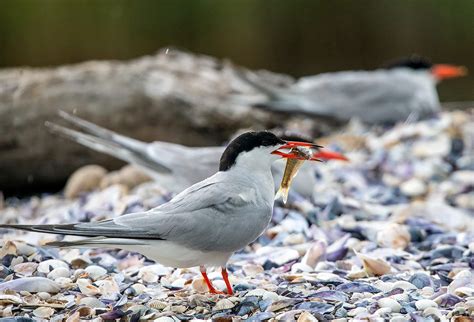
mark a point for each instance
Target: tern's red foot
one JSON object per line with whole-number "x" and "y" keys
{"x": 211, "y": 288}
{"x": 225, "y": 276}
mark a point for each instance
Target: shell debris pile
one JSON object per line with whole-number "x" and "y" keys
{"x": 388, "y": 236}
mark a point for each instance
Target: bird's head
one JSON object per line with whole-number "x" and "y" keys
{"x": 254, "y": 150}
{"x": 419, "y": 64}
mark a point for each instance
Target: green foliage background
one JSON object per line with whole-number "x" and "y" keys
{"x": 298, "y": 37}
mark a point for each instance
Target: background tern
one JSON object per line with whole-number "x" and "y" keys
{"x": 404, "y": 88}
{"x": 172, "y": 165}
{"x": 204, "y": 224}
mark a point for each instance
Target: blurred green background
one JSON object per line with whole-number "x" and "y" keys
{"x": 298, "y": 37}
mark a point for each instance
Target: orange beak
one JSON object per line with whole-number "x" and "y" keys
{"x": 317, "y": 156}
{"x": 444, "y": 71}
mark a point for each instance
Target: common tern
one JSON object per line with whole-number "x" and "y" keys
{"x": 172, "y": 165}
{"x": 403, "y": 89}
{"x": 203, "y": 225}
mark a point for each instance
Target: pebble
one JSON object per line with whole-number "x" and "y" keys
{"x": 392, "y": 304}
{"x": 84, "y": 179}
{"x": 424, "y": 304}
{"x": 413, "y": 187}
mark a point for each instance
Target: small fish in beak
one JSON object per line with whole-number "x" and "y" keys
{"x": 299, "y": 153}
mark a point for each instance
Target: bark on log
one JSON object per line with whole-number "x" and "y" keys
{"x": 171, "y": 96}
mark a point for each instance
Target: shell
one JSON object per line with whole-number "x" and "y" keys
{"x": 59, "y": 272}
{"x": 84, "y": 179}
{"x": 86, "y": 287}
{"x": 31, "y": 284}
{"x": 25, "y": 269}
{"x": 129, "y": 176}
{"x": 48, "y": 265}
{"x": 223, "y": 304}
{"x": 43, "y": 312}
{"x": 158, "y": 305}
{"x": 374, "y": 266}
{"x": 394, "y": 236}
{"x": 424, "y": 304}
{"x": 392, "y": 304}
{"x": 306, "y": 317}
{"x": 95, "y": 272}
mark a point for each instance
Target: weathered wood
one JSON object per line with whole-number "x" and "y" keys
{"x": 171, "y": 96}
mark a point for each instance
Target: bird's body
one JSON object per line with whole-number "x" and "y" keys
{"x": 406, "y": 88}
{"x": 372, "y": 96}
{"x": 204, "y": 224}
{"x": 173, "y": 166}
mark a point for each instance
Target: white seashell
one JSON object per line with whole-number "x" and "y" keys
{"x": 108, "y": 288}
{"x": 129, "y": 176}
{"x": 427, "y": 291}
{"x": 223, "y": 304}
{"x": 315, "y": 253}
{"x": 357, "y": 311}
{"x": 138, "y": 288}
{"x": 25, "y": 269}
{"x": 151, "y": 273}
{"x": 462, "y": 279}
{"x": 50, "y": 264}
{"x": 59, "y": 272}
{"x": 164, "y": 319}
{"x": 179, "y": 308}
{"x": 382, "y": 311}
{"x": 44, "y": 295}
{"x": 403, "y": 297}
{"x": 179, "y": 283}
{"x": 374, "y": 266}
{"x": 10, "y": 299}
{"x": 24, "y": 249}
{"x": 383, "y": 286}
{"x": 404, "y": 285}
{"x": 306, "y": 317}
{"x": 394, "y": 236}
{"x": 399, "y": 319}
{"x": 31, "y": 284}
{"x": 84, "y": 179}
{"x": 424, "y": 304}
{"x": 95, "y": 272}
{"x": 294, "y": 239}
{"x": 252, "y": 269}
{"x": 86, "y": 287}
{"x": 433, "y": 311}
{"x": 43, "y": 312}
{"x": 91, "y": 302}
{"x": 199, "y": 285}
{"x": 389, "y": 303}
{"x": 413, "y": 187}
{"x": 157, "y": 305}
{"x": 464, "y": 291}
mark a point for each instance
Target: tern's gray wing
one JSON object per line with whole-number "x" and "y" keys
{"x": 211, "y": 215}
{"x": 371, "y": 96}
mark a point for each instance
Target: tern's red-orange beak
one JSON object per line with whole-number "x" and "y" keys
{"x": 319, "y": 155}
{"x": 444, "y": 71}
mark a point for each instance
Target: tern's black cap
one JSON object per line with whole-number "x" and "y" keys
{"x": 414, "y": 62}
{"x": 244, "y": 143}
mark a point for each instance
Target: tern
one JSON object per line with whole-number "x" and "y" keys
{"x": 203, "y": 225}
{"x": 402, "y": 89}
{"x": 173, "y": 166}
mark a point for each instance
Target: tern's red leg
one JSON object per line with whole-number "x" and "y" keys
{"x": 211, "y": 288}
{"x": 225, "y": 276}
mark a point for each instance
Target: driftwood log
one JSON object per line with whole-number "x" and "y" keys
{"x": 171, "y": 96}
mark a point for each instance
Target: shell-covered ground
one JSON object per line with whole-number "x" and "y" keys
{"x": 386, "y": 236}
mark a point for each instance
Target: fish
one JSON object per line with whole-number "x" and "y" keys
{"x": 291, "y": 169}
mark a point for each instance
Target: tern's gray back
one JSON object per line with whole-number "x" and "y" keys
{"x": 375, "y": 96}
{"x": 213, "y": 215}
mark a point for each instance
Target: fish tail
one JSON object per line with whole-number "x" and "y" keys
{"x": 282, "y": 193}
